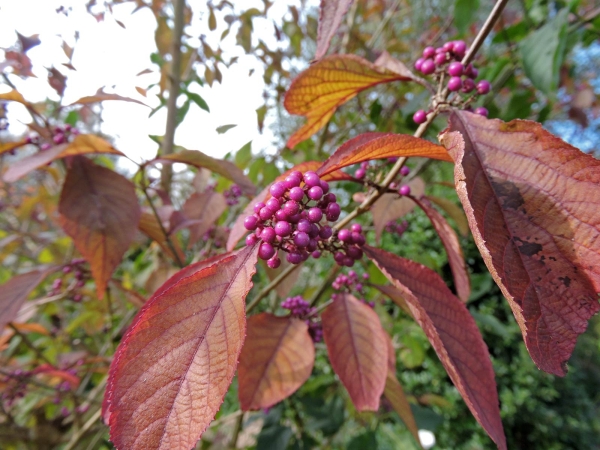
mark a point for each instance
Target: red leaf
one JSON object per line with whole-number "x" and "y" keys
{"x": 452, "y": 333}
{"x": 175, "y": 363}
{"x": 319, "y": 90}
{"x": 100, "y": 212}
{"x": 201, "y": 211}
{"x": 369, "y": 146}
{"x": 277, "y": 358}
{"x": 332, "y": 13}
{"x": 57, "y": 81}
{"x": 394, "y": 295}
{"x": 83, "y": 144}
{"x": 15, "y": 291}
{"x": 222, "y": 167}
{"x": 449, "y": 239}
{"x": 357, "y": 350}
{"x": 390, "y": 207}
{"x": 238, "y": 230}
{"x": 533, "y": 205}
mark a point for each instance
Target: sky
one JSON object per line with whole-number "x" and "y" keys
{"x": 107, "y": 55}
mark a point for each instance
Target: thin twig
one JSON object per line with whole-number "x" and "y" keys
{"x": 484, "y": 31}
{"x": 236, "y": 432}
{"x": 29, "y": 344}
{"x": 272, "y": 285}
{"x": 83, "y": 430}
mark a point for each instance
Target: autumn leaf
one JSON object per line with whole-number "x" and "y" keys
{"x": 150, "y": 226}
{"x": 394, "y": 393}
{"x": 287, "y": 284}
{"x": 201, "y": 211}
{"x": 238, "y": 230}
{"x": 454, "y": 212}
{"x": 332, "y": 13}
{"x": 277, "y": 358}
{"x": 175, "y": 363}
{"x": 357, "y": 349}
{"x": 449, "y": 239}
{"x": 452, "y": 333}
{"x": 101, "y": 233}
{"x": 13, "y": 96}
{"x": 394, "y": 295}
{"x": 102, "y": 96}
{"x": 370, "y": 146}
{"x": 390, "y": 207}
{"x": 319, "y": 90}
{"x": 222, "y": 167}
{"x": 83, "y": 144}
{"x": 15, "y": 291}
{"x": 533, "y": 205}
{"x": 8, "y": 146}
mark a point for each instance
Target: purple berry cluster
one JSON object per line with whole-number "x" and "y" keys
{"x": 396, "y": 228}
{"x": 301, "y": 308}
{"x": 232, "y": 195}
{"x": 351, "y": 283}
{"x": 362, "y": 170}
{"x": 79, "y": 274}
{"x": 445, "y": 63}
{"x": 60, "y": 135}
{"x": 291, "y": 221}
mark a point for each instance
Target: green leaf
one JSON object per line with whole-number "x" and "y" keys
{"x": 363, "y": 441}
{"x": 225, "y": 128}
{"x": 72, "y": 118}
{"x": 465, "y": 12}
{"x": 181, "y": 112}
{"x": 543, "y": 53}
{"x": 274, "y": 437}
{"x": 243, "y": 156}
{"x": 198, "y": 101}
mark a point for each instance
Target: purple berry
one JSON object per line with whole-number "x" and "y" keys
{"x": 316, "y": 254}
{"x": 274, "y": 262}
{"x": 266, "y": 251}
{"x": 330, "y": 198}
{"x": 405, "y": 170}
{"x": 468, "y": 85}
{"x": 344, "y": 235}
{"x": 281, "y": 215}
{"x": 428, "y": 67}
{"x": 67, "y": 269}
{"x": 448, "y": 46}
{"x": 428, "y": 52}
{"x": 333, "y": 212}
{"x": 278, "y": 189}
{"x": 358, "y": 239}
{"x": 312, "y": 179}
{"x": 312, "y": 245}
{"x": 304, "y": 225}
{"x": 266, "y": 213}
{"x": 456, "y": 69}
{"x": 481, "y": 111}
{"x": 294, "y": 258}
{"x": 45, "y": 146}
{"x": 251, "y": 239}
{"x": 296, "y": 193}
{"x": 250, "y": 223}
{"x": 339, "y": 257}
{"x": 258, "y": 207}
{"x": 419, "y": 63}
{"x": 283, "y": 228}
{"x": 273, "y": 204}
{"x": 315, "y": 214}
{"x": 420, "y": 116}
{"x": 325, "y": 186}
{"x": 440, "y": 59}
{"x": 314, "y": 231}
{"x": 301, "y": 239}
{"x": 315, "y": 193}
{"x": 348, "y": 261}
{"x": 295, "y": 218}
{"x": 356, "y": 227}
{"x": 359, "y": 174}
{"x": 483, "y": 87}
{"x": 454, "y": 84}
{"x": 354, "y": 252}
{"x": 291, "y": 207}
{"x": 459, "y": 48}
{"x": 404, "y": 190}
{"x": 326, "y": 232}
{"x": 268, "y": 235}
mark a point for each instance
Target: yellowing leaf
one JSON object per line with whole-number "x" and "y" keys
{"x": 319, "y": 90}
{"x": 277, "y": 358}
{"x": 8, "y": 146}
{"x": 13, "y": 96}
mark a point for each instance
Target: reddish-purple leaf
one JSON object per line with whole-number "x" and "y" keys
{"x": 220, "y": 166}
{"x": 449, "y": 239}
{"x": 102, "y": 96}
{"x": 452, "y": 333}
{"x": 82, "y": 144}
{"x": 99, "y": 210}
{"x": 175, "y": 363}
{"x": 332, "y": 13}
{"x": 394, "y": 295}
{"x": 238, "y": 230}
{"x": 369, "y": 146}
{"x": 357, "y": 349}
{"x": 150, "y": 226}
{"x": 277, "y": 358}
{"x": 14, "y": 292}
{"x": 533, "y": 205}
{"x": 390, "y": 207}
{"x": 454, "y": 211}
{"x": 200, "y": 212}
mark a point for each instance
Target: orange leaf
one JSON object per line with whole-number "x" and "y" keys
{"x": 83, "y": 144}
{"x": 452, "y": 333}
{"x": 13, "y": 96}
{"x": 222, "y": 167}
{"x": 150, "y": 227}
{"x": 100, "y": 212}
{"x": 449, "y": 239}
{"x": 15, "y": 291}
{"x": 102, "y": 96}
{"x": 8, "y": 146}
{"x": 238, "y": 230}
{"x": 332, "y": 13}
{"x": 390, "y": 207}
{"x": 533, "y": 205}
{"x": 277, "y": 358}
{"x": 357, "y": 349}
{"x": 369, "y": 146}
{"x": 319, "y": 90}
{"x": 175, "y": 363}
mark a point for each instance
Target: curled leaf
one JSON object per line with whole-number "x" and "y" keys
{"x": 533, "y": 205}
{"x": 357, "y": 348}
{"x": 175, "y": 363}
{"x": 369, "y": 146}
{"x": 101, "y": 233}
{"x": 318, "y": 91}
{"x": 452, "y": 333}
{"x": 277, "y": 358}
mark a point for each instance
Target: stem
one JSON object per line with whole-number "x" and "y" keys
{"x": 272, "y": 285}
{"x": 236, "y": 432}
{"x": 484, "y": 31}
{"x": 324, "y": 286}
{"x": 29, "y": 344}
{"x": 83, "y": 430}
{"x": 174, "y": 85}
